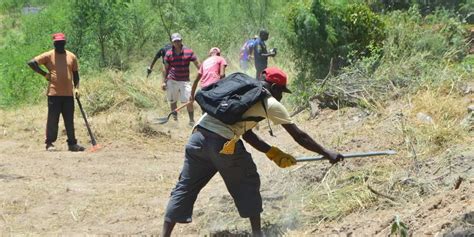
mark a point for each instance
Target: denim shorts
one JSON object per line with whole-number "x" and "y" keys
{"x": 202, "y": 161}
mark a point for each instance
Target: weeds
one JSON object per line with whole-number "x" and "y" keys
{"x": 399, "y": 228}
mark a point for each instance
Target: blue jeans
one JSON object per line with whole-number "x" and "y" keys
{"x": 202, "y": 161}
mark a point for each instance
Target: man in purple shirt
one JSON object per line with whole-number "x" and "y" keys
{"x": 246, "y": 53}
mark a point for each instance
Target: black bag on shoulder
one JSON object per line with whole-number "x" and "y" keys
{"x": 229, "y": 98}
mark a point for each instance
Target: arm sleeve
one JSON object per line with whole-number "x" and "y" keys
{"x": 277, "y": 113}
{"x": 193, "y": 56}
{"x": 251, "y": 46}
{"x": 161, "y": 53}
{"x": 43, "y": 58}
{"x": 166, "y": 58}
{"x": 75, "y": 64}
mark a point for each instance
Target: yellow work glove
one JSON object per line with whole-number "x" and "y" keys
{"x": 76, "y": 93}
{"x": 280, "y": 158}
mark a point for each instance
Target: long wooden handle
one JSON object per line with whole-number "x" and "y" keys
{"x": 350, "y": 155}
{"x": 181, "y": 106}
{"x": 93, "y": 141}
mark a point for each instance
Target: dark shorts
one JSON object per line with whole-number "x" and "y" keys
{"x": 202, "y": 162}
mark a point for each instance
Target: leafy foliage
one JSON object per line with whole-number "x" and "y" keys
{"x": 24, "y": 41}
{"x": 321, "y": 34}
{"x": 107, "y": 33}
{"x": 415, "y": 52}
{"x": 117, "y": 34}
{"x": 425, "y": 7}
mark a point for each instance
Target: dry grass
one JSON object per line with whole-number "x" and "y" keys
{"x": 114, "y": 89}
{"x": 307, "y": 196}
{"x": 405, "y": 178}
{"x": 447, "y": 109}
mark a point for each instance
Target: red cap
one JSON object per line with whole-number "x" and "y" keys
{"x": 276, "y": 76}
{"x": 59, "y": 37}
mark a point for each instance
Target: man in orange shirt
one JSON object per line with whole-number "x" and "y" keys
{"x": 63, "y": 78}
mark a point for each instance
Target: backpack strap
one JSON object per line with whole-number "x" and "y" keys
{"x": 253, "y": 118}
{"x": 258, "y": 118}
{"x": 268, "y": 121}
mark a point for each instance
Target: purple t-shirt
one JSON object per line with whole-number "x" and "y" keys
{"x": 247, "y": 49}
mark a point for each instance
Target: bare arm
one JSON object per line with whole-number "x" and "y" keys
{"x": 222, "y": 70}
{"x": 34, "y": 65}
{"x": 165, "y": 76}
{"x": 193, "y": 89}
{"x": 75, "y": 78}
{"x": 309, "y": 143}
{"x": 196, "y": 63}
{"x": 154, "y": 61}
{"x": 159, "y": 54}
{"x": 251, "y": 138}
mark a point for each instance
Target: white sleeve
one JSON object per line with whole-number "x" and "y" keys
{"x": 277, "y": 113}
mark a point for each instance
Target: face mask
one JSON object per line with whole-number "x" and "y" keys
{"x": 59, "y": 45}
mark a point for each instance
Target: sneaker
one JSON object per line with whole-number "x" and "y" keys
{"x": 76, "y": 147}
{"x": 191, "y": 123}
{"x": 50, "y": 147}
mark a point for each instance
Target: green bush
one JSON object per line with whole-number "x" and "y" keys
{"x": 321, "y": 34}
{"x": 418, "y": 52}
{"x": 120, "y": 34}
{"x": 29, "y": 37}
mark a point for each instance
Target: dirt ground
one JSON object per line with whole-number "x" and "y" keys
{"x": 123, "y": 188}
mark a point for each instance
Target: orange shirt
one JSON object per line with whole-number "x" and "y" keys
{"x": 60, "y": 66}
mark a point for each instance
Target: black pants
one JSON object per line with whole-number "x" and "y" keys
{"x": 202, "y": 161}
{"x": 60, "y": 105}
{"x": 259, "y": 69}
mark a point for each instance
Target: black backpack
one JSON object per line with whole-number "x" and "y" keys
{"x": 229, "y": 98}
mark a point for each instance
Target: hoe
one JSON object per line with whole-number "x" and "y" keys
{"x": 95, "y": 146}
{"x": 350, "y": 155}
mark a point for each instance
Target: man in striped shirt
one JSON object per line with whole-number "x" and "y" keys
{"x": 176, "y": 81}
